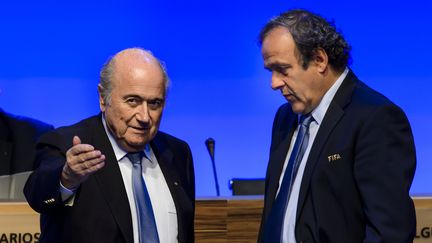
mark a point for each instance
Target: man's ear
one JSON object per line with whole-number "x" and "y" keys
{"x": 320, "y": 59}
{"x": 102, "y": 104}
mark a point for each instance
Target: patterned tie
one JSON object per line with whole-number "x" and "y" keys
{"x": 146, "y": 220}
{"x": 274, "y": 223}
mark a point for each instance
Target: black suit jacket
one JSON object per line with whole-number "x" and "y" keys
{"x": 355, "y": 186}
{"x": 18, "y": 136}
{"x": 101, "y": 210}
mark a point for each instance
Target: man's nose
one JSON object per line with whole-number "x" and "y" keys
{"x": 142, "y": 114}
{"x": 276, "y": 82}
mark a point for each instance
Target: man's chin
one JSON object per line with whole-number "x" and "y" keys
{"x": 134, "y": 143}
{"x": 135, "y": 147}
{"x": 298, "y": 108}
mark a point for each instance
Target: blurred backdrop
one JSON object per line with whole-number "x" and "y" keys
{"x": 52, "y": 51}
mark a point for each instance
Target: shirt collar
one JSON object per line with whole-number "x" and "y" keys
{"x": 118, "y": 151}
{"x": 319, "y": 112}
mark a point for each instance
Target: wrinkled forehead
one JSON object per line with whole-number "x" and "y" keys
{"x": 279, "y": 44}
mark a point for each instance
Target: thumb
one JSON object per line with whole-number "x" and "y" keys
{"x": 76, "y": 140}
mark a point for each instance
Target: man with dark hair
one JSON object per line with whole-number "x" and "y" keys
{"x": 342, "y": 157}
{"x": 18, "y": 136}
{"x": 115, "y": 177}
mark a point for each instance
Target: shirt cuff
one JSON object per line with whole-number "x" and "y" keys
{"x": 67, "y": 195}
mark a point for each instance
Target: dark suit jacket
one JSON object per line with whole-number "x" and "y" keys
{"x": 18, "y": 136}
{"x": 361, "y": 193}
{"x": 101, "y": 210}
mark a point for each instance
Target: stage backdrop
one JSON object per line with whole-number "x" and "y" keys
{"x": 52, "y": 51}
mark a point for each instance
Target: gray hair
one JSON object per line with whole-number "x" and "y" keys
{"x": 107, "y": 72}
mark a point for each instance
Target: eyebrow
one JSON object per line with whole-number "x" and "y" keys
{"x": 143, "y": 98}
{"x": 131, "y": 96}
{"x": 277, "y": 65}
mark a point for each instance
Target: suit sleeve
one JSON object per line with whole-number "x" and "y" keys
{"x": 384, "y": 169}
{"x": 42, "y": 187}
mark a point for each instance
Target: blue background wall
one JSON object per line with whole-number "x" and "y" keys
{"x": 52, "y": 52}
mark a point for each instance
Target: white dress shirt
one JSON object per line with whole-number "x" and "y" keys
{"x": 288, "y": 229}
{"x": 160, "y": 196}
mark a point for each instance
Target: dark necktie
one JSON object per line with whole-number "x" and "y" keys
{"x": 146, "y": 220}
{"x": 274, "y": 223}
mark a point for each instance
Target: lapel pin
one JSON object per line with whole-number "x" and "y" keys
{"x": 333, "y": 157}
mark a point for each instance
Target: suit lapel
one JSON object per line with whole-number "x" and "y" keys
{"x": 165, "y": 158}
{"x": 111, "y": 183}
{"x": 285, "y": 129}
{"x": 331, "y": 119}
